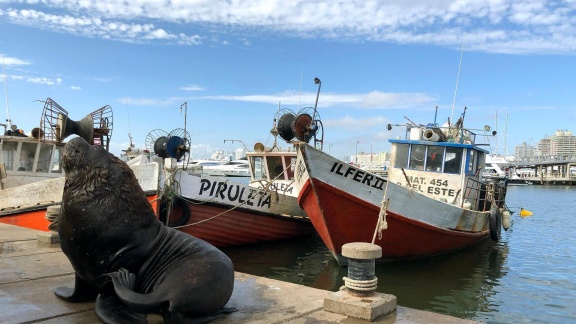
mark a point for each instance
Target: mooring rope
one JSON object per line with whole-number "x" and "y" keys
{"x": 382, "y": 225}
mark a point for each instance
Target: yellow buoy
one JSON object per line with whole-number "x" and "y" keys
{"x": 525, "y": 212}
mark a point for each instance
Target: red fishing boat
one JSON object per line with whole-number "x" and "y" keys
{"x": 434, "y": 200}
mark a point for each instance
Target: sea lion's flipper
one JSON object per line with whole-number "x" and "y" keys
{"x": 110, "y": 309}
{"x": 124, "y": 282}
{"x": 81, "y": 292}
{"x": 182, "y": 318}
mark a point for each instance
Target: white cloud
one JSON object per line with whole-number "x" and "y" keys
{"x": 371, "y": 100}
{"x": 44, "y": 81}
{"x": 507, "y": 26}
{"x": 75, "y": 88}
{"x": 192, "y": 87}
{"x": 11, "y": 61}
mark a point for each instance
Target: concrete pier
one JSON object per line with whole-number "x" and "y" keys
{"x": 30, "y": 270}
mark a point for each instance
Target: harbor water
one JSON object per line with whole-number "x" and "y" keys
{"x": 527, "y": 277}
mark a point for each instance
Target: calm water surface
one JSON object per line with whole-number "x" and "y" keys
{"x": 527, "y": 277}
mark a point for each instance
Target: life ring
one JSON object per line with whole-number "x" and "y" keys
{"x": 180, "y": 212}
{"x": 495, "y": 223}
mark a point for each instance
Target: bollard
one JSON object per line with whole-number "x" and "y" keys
{"x": 361, "y": 278}
{"x": 51, "y": 237}
{"x": 358, "y": 297}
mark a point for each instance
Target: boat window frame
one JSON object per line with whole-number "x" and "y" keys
{"x": 275, "y": 166}
{"x": 28, "y": 153}
{"x": 459, "y": 162}
{"x": 415, "y": 163}
{"x": 440, "y": 166}
{"x": 471, "y": 161}
{"x": 263, "y": 170}
{"x": 9, "y": 156}
{"x": 405, "y": 150}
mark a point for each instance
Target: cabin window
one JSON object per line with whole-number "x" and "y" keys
{"x": 27, "y": 154}
{"x": 417, "y": 154}
{"x": 44, "y": 158}
{"x": 453, "y": 160}
{"x": 258, "y": 167}
{"x": 401, "y": 155}
{"x": 472, "y": 162}
{"x": 290, "y": 162}
{"x": 275, "y": 167}
{"x": 434, "y": 158}
{"x": 9, "y": 153}
{"x": 56, "y": 167}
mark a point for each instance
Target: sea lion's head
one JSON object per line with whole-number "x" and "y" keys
{"x": 74, "y": 153}
{"x": 95, "y": 177}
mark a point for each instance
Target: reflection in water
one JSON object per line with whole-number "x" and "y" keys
{"x": 529, "y": 276}
{"x": 458, "y": 284}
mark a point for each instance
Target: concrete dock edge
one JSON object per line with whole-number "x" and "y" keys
{"x": 31, "y": 269}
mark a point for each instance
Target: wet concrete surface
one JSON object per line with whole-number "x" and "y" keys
{"x": 30, "y": 270}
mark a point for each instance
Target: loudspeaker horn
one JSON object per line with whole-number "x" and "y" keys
{"x": 83, "y": 128}
{"x": 259, "y": 147}
{"x": 37, "y": 133}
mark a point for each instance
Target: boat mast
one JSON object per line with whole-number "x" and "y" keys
{"x": 506, "y": 135}
{"x": 457, "y": 78}
{"x": 496, "y": 153}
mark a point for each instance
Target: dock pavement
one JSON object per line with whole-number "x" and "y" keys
{"x": 31, "y": 269}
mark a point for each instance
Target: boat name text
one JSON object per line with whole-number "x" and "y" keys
{"x": 234, "y": 192}
{"x": 348, "y": 171}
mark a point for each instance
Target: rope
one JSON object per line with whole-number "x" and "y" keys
{"x": 490, "y": 192}
{"x": 382, "y": 225}
{"x": 361, "y": 285}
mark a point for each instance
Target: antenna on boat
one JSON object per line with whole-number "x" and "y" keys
{"x": 129, "y": 130}
{"x": 8, "y": 120}
{"x": 458, "y": 77}
{"x": 300, "y": 90}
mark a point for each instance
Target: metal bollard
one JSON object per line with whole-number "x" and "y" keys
{"x": 361, "y": 278}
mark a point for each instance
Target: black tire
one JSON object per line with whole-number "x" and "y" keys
{"x": 179, "y": 205}
{"x": 495, "y": 223}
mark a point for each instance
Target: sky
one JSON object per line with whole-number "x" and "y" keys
{"x": 235, "y": 63}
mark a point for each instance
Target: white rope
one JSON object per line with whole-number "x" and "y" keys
{"x": 382, "y": 225}
{"x": 361, "y": 285}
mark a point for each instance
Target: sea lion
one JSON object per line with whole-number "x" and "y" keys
{"x": 124, "y": 257}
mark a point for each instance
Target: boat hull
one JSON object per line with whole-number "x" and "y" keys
{"x": 222, "y": 227}
{"x": 343, "y": 203}
{"x": 226, "y": 213}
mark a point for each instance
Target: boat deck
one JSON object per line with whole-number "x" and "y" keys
{"x": 30, "y": 270}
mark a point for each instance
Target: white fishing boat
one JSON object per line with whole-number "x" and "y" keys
{"x": 33, "y": 157}
{"x": 434, "y": 200}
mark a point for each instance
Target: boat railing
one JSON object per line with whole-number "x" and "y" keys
{"x": 435, "y": 133}
{"x": 481, "y": 194}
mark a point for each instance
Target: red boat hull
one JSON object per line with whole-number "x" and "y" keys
{"x": 35, "y": 218}
{"x": 221, "y": 226}
{"x": 341, "y": 218}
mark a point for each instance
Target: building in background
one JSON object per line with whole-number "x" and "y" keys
{"x": 524, "y": 151}
{"x": 562, "y": 145}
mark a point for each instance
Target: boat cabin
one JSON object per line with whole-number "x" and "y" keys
{"x": 26, "y": 160}
{"x": 274, "y": 167}
{"x": 446, "y": 168}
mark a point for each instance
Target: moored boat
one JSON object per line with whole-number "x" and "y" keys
{"x": 433, "y": 202}
{"x": 34, "y": 179}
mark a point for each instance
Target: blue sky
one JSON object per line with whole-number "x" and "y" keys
{"x": 234, "y": 61}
